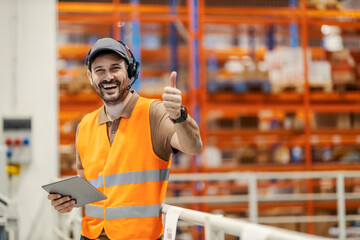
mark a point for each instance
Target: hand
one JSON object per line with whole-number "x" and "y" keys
{"x": 172, "y": 98}
{"x": 61, "y": 204}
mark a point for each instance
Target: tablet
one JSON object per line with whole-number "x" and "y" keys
{"x": 77, "y": 188}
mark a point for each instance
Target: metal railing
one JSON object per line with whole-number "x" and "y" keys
{"x": 253, "y": 198}
{"x": 216, "y": 226}
{"x": 251, "y": 180}
{"x": 5, "y": 218}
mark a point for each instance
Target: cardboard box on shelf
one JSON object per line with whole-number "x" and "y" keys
{"x": 324, "y": 4}
{"x": 263, "y": 156}
{"x": 281, "y": 154}
{"x": 343, "y": 121}
{"x": 342, "y": 67}
{"x": 320, "y": 76}
{"x": 249, "y": 70}
{"x": 240, "y": 76}
{"x": 67, "y": 162}
{"x": 222, "y": 123}
{"x": 332, "y": 121}
{"x": 351, "y": 4}
{"x": 322, "y": 228}
{"x": 286, "y": 69}
{"x": 248, "y": 122}
{"x": 75, "y": 81}
{"x": 287, "y": 87}
{"x": 355, "y": 120}
{"x": 324, "y": 120}
{"x": 245, "y": 155}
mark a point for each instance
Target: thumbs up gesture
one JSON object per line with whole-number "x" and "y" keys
{"x": 172, "y": 98}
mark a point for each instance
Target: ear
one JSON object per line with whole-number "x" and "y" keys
{"x": 88, "y": 73}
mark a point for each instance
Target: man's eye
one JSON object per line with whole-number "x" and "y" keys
{"x": 99, "y": 70}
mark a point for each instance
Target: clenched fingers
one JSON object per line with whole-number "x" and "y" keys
{"x": 61, "y": 204}
{"x": 176, "y": 98}
{"x": 66, "y": 207}
{"x": 53, "y": 196}
{"x": 171, "y": 90}
{"x": 171, "y": 105}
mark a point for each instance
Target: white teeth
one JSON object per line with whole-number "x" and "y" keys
{"x": 109, "y": 86}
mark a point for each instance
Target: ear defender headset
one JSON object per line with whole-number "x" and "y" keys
{"x": 133, "y": 68}
{"x": 133, "y": 65}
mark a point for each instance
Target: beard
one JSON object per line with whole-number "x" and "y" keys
{"x": 111, "y": 96}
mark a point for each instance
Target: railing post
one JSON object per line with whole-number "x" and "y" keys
{"x": 253, "y": 198}
{"x": 340, "y": 191}
{"x": 76, "y": 231}
{"x": 211, "y": 232}
{"x": 11, "y": 233}
{"x": 76, "y": 225}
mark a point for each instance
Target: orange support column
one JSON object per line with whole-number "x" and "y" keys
{"x": 308, "y": 161}
{"x": 116, "y": 22}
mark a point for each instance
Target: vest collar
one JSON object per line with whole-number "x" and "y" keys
{"x": 126, "y": 113}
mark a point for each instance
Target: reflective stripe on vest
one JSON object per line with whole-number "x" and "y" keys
{"x": 123, "y": 212}
{"x": 97, "y": 182}
{"x": 132, "y": 177}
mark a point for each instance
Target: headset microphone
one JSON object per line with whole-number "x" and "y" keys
{"x": 130, "y": 85}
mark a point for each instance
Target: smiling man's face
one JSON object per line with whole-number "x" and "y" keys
{"x": 109, "y": 78}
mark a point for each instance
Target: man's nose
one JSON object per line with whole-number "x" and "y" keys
{"x": 108, "y": 76}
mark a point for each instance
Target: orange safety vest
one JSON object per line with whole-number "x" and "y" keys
{"x": 128, "y": 172}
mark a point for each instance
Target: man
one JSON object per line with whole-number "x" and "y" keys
{"x": 124, "y": 148}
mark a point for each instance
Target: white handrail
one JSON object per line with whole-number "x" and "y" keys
{"x": 5, "y": 204}
{"x": 236, "y": 227}
{"x": 250, "y": 181}
{"x": 259, "y": 175}
{"x": 211, "y": 222}
{"x": 278, "y": 197}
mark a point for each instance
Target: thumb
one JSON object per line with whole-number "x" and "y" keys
{"x": 173, "y": 79}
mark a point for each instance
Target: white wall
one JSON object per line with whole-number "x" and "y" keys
{"x": 28, "y": 86}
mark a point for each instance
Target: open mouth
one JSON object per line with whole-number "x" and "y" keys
{"x": 109, "y": 86}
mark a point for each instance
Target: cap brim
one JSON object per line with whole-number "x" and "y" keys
{"x": 97, "y": 52}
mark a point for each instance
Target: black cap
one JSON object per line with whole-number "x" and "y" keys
{"x": 107, "y": 44}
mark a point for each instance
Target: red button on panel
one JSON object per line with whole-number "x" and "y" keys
{"x": 8, "y": 142}
{"x": 17, "y": 142}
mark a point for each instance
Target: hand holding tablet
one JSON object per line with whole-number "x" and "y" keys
{"x": 76, "y": 188}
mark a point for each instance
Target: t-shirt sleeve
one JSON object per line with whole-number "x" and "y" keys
{"x": 162, "y": 129}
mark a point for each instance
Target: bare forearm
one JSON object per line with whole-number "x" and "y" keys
{"x": 188, "y": 135}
